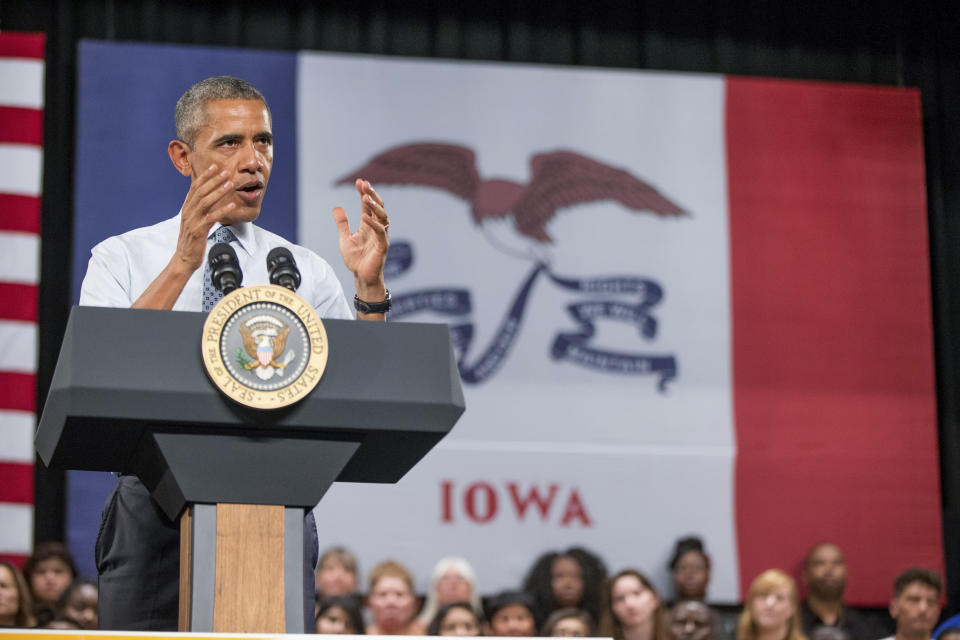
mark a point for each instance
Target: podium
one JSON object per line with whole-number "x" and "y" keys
{"x": 130, "y": 394}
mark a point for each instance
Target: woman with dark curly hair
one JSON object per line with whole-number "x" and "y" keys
{"x": 573, "y": 578}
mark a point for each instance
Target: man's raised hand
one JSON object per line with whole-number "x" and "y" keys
{"x": 364, "y": 251}
{"x": 203, "y": 207}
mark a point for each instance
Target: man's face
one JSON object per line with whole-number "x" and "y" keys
{"x": 238, "y": 138}
{"x": 826, "y": 572}
{"x": 916, "y": 610}
{"x": 691, "y": 620}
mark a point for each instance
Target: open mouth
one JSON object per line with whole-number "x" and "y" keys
{"x": 250, "y": 192}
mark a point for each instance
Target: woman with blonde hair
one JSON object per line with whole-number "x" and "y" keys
{"x": 453, "y": 580}
{"x": 632, "y": 609}
{"x": 392, "y": 602}
{"x": 771, "y": 610}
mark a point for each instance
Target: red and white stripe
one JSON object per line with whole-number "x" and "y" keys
{"x": 21, "y": 162}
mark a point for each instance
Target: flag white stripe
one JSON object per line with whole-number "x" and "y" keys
{"x": 21, "y": 168}
{"x": 21, "y": 83}
{"x": 16, "y": 534}
{"x": 16, "y": 436}
{"x": 19, "y": 353}
{"x": 21, "y": 257}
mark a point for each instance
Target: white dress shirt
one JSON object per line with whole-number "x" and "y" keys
{"x": 122, "y": 267}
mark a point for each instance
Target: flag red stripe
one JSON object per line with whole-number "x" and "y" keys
{"x": 21, "y": 45}
{"x": 16, "y": 482}
{"x": 18, "y": 301}
{"x": 21, "y": 126}
{"x": 832, "y": 333}
{"x": 19, "y": 213}
{"x": 17, "y": 391}
{"x": 16, "y": 559}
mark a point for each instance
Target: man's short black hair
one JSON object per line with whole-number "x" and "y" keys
{"x": 190, "y": 113}
{"x": 917, "y": 574}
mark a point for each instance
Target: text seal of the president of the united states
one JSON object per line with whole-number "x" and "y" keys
{"x": 264, "y": 346}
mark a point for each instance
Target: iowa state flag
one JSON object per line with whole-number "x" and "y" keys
{"x": 681, "y": 304}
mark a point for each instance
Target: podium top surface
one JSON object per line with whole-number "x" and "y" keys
{"x": 123, "y": 372}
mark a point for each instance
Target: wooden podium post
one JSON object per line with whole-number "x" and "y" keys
{"x": 250, "y": 581}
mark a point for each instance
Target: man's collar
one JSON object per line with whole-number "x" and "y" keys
{"x": 244, "y": 233}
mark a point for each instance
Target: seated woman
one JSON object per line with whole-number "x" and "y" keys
{"x": 339, "y": 615}
{"x": 455, "y": 619}
{"x": 573, "y": 578}
{"x": 632, "y": 608}
{"x": 16, "y": 606}
{"x": 336, "y": 573}
{"x": 80, "y": 603}
{"x": 510, "y": 614}
{"x": 568, "y": 623}
{"x": 453, "y": 581}
{"x": 391, "y": 601}
{"x": 690, "y": 569}
{"x": 770, "y": 610}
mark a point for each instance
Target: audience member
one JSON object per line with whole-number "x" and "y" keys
{"x": 825, "y": 576}
{"x": 339, "y": 615}
{"x": 916, "y": 604}
{"x": 952, "y": 623}
{"x": 573, "y": 578}
{"x": 453, "y": 580}
{"x": 632, "y": 608}
{"x": 49, "y": 571}
{"x": 455, "y": 619}
{"x": 16, "y": 606}
{"x": 771, "y": 609}
{"x": 510, "y": 613}
{"x": 568, "y": 622}
{"x": 336, "y": 573}
{"x": 391, "y": 601}
{"x": 80, "y": 603}
{"x": 691, "y": 620}
{"x": 690, "y": 568}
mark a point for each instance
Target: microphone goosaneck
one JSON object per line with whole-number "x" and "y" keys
{"x": 225, "y": 273}
{"x": 283, "y": 268}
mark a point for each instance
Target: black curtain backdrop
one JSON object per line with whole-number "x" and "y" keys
{"x": 900, "y": 43}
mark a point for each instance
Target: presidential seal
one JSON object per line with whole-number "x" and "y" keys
{"x": 264, "y": 346}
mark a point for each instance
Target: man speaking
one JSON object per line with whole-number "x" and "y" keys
{"x": 224, "y": 145}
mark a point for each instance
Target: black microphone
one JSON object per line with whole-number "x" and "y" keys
{"x": 225, "y": 273}
{"x": 283, "y": 268}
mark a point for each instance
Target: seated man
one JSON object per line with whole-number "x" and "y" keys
{"x": 825, "y": 576}
{"x": 224, "y": 145}
{"x": 691, "y": 620}
{"x": 916, "y": 604}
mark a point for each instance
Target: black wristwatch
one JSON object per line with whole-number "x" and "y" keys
{"x": 373, "y": 307}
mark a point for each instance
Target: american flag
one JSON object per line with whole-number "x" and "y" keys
{"x": 21, "y": 162}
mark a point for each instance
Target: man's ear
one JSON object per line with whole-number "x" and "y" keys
{"x": 894, "y": 609}
{"x": 179, "y": 153}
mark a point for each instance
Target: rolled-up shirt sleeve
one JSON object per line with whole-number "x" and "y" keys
{"x": 107, "y": 282}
